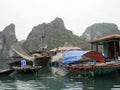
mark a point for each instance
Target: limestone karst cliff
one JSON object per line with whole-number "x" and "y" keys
{"x": 55, "y": 35}
{"x": 100, "y": 29}
{"x": 7, "y": 38}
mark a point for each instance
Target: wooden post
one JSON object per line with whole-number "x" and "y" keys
{"x": 96, "y": 47}
{"x": 34, "y": 61}
{"x": 115, "y": 56}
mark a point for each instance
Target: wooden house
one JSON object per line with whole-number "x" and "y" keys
{"x": 110, "y": 45}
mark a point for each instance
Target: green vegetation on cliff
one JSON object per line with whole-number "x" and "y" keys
{"x": 57, "y": 35}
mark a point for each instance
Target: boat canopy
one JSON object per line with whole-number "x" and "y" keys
{"x": 106, "y": 38}
{"x": 94, "y": 55}
{"x": 72, "y": 56}
{"x": 76, "y": 55}
{"x": 65, "y": 48}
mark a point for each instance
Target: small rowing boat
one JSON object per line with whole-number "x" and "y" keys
{"x": 6, "y": 71}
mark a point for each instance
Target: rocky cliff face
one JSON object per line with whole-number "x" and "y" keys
{"x": 98, "y": 30}
{"x": 7, "y": 38}
{"x": 55, "y": 35}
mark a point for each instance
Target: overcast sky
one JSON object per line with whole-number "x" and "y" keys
{"x": 76, "y": 14}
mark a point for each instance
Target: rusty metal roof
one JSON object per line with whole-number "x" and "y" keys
{"x": 66, "y": 48}
{"x": 95, "y": 56}
{"x": 105, "y": 38}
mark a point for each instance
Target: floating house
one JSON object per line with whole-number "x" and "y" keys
{"x": 110, "y": 45}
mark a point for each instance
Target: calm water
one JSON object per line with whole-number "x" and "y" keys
{"x": 49, "y": 79}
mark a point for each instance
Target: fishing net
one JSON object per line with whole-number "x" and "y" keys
{"x": 20, "y": 51}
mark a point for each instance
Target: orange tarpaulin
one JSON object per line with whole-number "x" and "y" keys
{"x": 95, "y": 56}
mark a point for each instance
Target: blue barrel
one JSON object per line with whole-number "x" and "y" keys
{"x": 23, "y": 63}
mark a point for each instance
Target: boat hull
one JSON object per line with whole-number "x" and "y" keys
{"x": 92, "y": 70}
{"x": 101, "y": 71}
{"x": 6, "y": 72}
{"x": 43, "y": 61}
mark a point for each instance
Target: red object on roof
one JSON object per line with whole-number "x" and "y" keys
{"x": 108, "y": 37}
{"x": 65, "y": 48}
{"x": 95, "y": 56}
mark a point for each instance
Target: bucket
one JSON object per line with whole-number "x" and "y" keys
{"x": 23, "y": 63}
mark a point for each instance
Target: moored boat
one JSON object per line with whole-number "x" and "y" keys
{"x": 40, "y": 58}
{"x": 96, "y": 69}
{"x": 95, "y": 62}
{"x": 88, "y": 62}
{"x": 24, "y": 66}
{"x": 6, "y": 72}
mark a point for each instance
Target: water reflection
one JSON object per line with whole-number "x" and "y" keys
{"x": 107, "y": 82}
{"x": 58, "y": 71}
{"x": 46, "y": 79}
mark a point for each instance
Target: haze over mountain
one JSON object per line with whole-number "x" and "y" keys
{"x": 77, "y": 14}
{"x": 100, "y": 29}
{"x": 7, "y": 38}
{"x": 55, "y": 35}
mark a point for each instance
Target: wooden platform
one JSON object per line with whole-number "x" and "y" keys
{"x": 27, "y": 69}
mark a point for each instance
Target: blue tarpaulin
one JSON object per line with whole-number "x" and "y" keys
{"x": 72, "y": 56}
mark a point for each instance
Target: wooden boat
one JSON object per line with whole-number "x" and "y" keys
{"x": 42, "y": 59}
{"x": 96, "y": 69}
{"x": 90, "y": 62}
{"x": 6, "y": 72}
{"x": 24, "y": 66}
{"x": 94, "y": 62}
{"x": 27, "y": 69}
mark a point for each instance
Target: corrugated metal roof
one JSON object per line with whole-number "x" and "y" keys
{"x": 66, "y": 48}
{"x": 95, "y": 56}
{"x": 108, "y": 37}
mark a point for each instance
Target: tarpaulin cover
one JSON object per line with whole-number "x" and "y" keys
{"x": 73, "y": 56}
{"x": 94, "y": 55}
